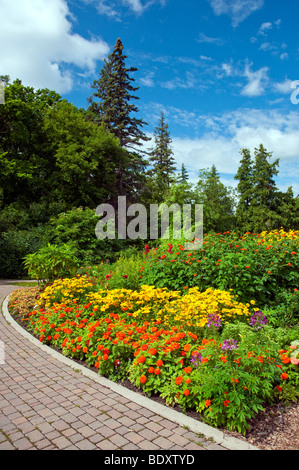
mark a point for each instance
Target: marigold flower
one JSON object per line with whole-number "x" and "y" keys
{"x": 186, "y": 392}
{"x": 178, "y": 380}
{"x": 141, "y": 359}
{"x": 152, "y": 351}
{"x": 151, "y": 370}
{"x": 159, "y": 363}
{"x": 285, "y": 359}
{"x": 284, "y": 376}
{"x": 143, "y": 379}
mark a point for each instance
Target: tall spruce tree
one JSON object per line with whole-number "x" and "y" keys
{"x": 111, "y": 106}
{"x": 161, "y": 155}
{"x": 217, "y": 200}
{"x": 244, "y": 190}
{"x": 264, "y": 215}
{"x": 114, "y": 90}
{"x": 183, "y": 176}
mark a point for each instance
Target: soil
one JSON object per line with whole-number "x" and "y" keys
{"x": 275, "y": 428}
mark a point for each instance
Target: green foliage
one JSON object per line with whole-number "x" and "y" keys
{"x": 161, "y": 156}
{"x": 217, "y": 200}
{"x": 14, "y": 245}
{"x": 51, "y": 262}
{"x": 255, "y": 268}
{"x": 77, "y": 227}
{"x": 285, "y": 309}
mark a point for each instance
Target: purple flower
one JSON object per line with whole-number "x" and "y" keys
{"x": 196, "y": 359}
{"x": 229, "y": 345}
{"x": 258, "y": 320}
{"x": 213, "y": 321}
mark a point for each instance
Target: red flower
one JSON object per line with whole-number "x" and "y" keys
{"x": 226, "y": 402}
{"x": 143, "y": 379}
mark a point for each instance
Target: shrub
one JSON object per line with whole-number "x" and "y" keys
{"x": 254, "y": 266}
{"x": 51, "y": 262}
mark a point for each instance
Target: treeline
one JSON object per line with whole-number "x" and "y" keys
{"x": 59, "y": 162}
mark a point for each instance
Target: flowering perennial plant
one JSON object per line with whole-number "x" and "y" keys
{"x": 123, "y": 335}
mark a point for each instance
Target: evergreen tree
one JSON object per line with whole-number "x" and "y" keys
{"x": 263, "y": 206}
{"x": 161, "y": 156}
{"x": 115, "y": 93}
{"x": 183, "y": 176}
{"x": 244, "y": 190}
{"x": 114, "y": 90}
{"x": 217, "y": 200}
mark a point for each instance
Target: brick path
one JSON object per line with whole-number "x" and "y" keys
{"x": 45, "y": 404}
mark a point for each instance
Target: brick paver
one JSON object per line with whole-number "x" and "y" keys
{"x": 44, "y": 404}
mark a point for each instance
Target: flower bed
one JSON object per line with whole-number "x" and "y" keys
{"x": 205, "y": 351}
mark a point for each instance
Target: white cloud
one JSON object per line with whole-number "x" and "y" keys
{"x": 238, "y": 10}
{"x": 284, "y": 87}
{"x": 210, "y": 40}
{"x": 257, "y": 81}
{"x": 40, "y": 47}
{"x": 107, "y": 10}
{"x": 224, "y": 135}
{"x": 265, "y": 27}
{"x": 148, "y": 80}
{"x": 110, "y": 8}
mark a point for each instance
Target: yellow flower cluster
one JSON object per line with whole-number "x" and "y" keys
{"x": 149, "y": 303}
{"x": 194, "y": 307}
{"x": 278, "y": 235}
{"x": 65, "y": 291}
{"x": 172, "y": 307}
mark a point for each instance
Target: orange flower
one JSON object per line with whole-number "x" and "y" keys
{"x": 141, "y": 359}
{"x": 188, "y": 370}
{"x": 143, "y": 379}
{"x": 285, "y": 359}
{"x": 159, "y": 363}
{"x": 187, "y": 347}
{"x": 105, "y": 357}
{"x": 153, "y": 351}
{"x": 223, "y": 359}
{"x": 151, "y": 370}
{"x": 284, "y": 376}
{"x": 157, "y": 371}
{"x": 186, "y": 392}
{"x": 178, "y": 380}
{"x": 208, "y": 403}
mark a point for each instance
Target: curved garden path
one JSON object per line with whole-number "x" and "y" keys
{"x": 49, "y": 402}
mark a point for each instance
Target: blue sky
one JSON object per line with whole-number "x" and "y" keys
{"x": 222, "y": 71}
